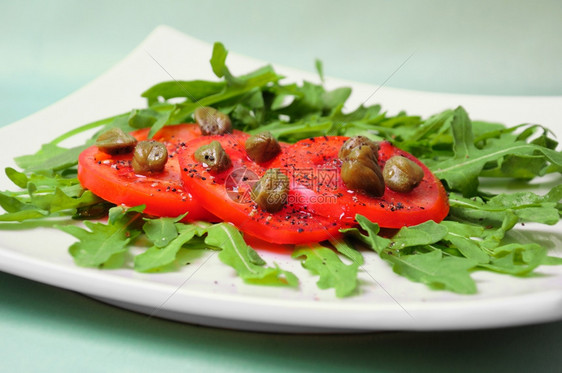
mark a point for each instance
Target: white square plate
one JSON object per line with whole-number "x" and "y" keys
{"x": 208, "y": 292}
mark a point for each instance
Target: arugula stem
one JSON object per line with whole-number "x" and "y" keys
{"x": 86, "y": 127}
{"x": 202, "y": 246}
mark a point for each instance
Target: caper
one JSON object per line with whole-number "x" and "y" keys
{"x": 212, "y": 121}
{"x": 213, "y": 156}
{"x": 115, "y": 141}
{"x": 360, "y": 171}
{"x": 271, "y": 191}
{"x": 262, "y": 147}
{"x": 402, "y": 174}
{"x": 355, "y": 142}
{"x": 149, "y": 156}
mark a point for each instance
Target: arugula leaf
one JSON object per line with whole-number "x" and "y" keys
{"x": 319, "y": 69}
{"x": 435, "y": 270}
{"x": 348, "y": 250}
{"x": 143, "y": 118}
{"x": 245, "y": 260}
{"x": 218, "y": 60}
{"x": 192, "y": 90}
{"x": 552, "y": 261}
{"x": 422, "y": 234}
{"x": 466, "y": 238}
{"x": 443, "y": 255}
{"x": 432, "y": 268}
{"x": 372, "y": 238}
{"x": 51, "y": 157}
{"x": 168, "y": 239}
{"x": 422, "y": 137}
{"x": 18, "y": 211}
{"x": 161, "y": 231}
{"x": 13, "y": 204}
{"x": 162, "y": 118}
{"x": 328, "y": 266}
{"x": 516, "y": 259}
{"x": 58, "y": 200}
{"x": 46, "y": 195}
{"x": 462, "y": 170}
{"x": 244, "y": 84}
{"x": 484, "y": 246}
{"x": 120, "y": 212}
{"x": 100, "y": 242}
{"x": 527, "y": 206}
{"x": 518, "y": 166}
{"x": 18, "y": 178}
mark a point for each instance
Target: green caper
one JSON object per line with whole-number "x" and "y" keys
{"x": 360, "y": 171}
{"x": 402, "y": 174}
{"x": 212, "y": 121}
{"x": 149, "y": 156}
{"x": 115, "y": 141}
{"x": 262, "y": 147}
{"x": 213, "y": 156}
{"x": 271, "y": 191}
{"x": 355, "y": 142}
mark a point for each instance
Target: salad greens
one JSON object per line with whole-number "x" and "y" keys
{"x": 332, "y": 271}
{"x": 475, "y": 235}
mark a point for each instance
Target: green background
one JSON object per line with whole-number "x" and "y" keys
{"x": 49, "y": 49}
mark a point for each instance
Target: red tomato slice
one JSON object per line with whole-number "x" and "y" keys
{"x": 112, "y": 178}
{"x": 226, "y": 194}
{"x": 315, "y": 166}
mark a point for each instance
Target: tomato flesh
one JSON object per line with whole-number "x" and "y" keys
{"x": 319, "y": 204}
{"x": 226, "y": 194}
{"x": 315, "y": 165}
{"x": 112, "y": 178}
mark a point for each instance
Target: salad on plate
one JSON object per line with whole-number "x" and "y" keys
{"x": 233, "y": 164}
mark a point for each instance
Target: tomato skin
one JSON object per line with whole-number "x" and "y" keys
{"x": 112, "y": 178}
{"x": 288, "y": 226}
{"x": 427, "y": 201}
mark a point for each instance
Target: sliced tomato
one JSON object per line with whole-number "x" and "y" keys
{"x": 226, "y": 194}
{"x": 112, "y": 178}
{"x": 315, "y": 167}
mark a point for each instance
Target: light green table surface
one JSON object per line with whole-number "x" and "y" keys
{"x": 49, "y": 49}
